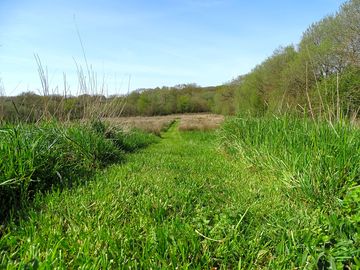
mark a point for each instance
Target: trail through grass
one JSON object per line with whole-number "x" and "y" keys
{"x": 179, "y": 203}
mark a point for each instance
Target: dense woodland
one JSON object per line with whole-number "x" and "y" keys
{"x": 319, "y": 77}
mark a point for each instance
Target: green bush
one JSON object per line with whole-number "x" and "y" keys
{"x": 339, "y": 92}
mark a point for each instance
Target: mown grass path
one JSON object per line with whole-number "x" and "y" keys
{"x": 179, "y": 203}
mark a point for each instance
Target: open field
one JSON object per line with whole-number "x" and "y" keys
{"x": 157, "y": 124}
{"x": 274, "y": 194}
{"x": 201, "y": 122}
{"x": 261, "y": 171}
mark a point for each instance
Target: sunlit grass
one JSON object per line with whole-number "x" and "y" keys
{"x": 39, "y": 157}
{"x": 319, "y": 166}
{"x": 186, "y": 203}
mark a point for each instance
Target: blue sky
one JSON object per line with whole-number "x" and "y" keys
{"x": 165, "y": 42}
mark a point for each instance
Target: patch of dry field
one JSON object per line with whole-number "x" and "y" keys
{"x": 200, "y": 121}
{"x": 157, "y": 124}
{"x": 154, "y": 124}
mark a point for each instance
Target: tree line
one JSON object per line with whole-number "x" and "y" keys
{"x": 187, "y": 98}
{"x": 320, "y": 76}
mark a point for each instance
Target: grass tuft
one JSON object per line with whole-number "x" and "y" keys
{"x": 318, "y": 161}
{"x": 40, "y": 157}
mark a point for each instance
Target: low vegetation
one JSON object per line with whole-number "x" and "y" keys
{"x": 276, "y": 187}
{"x": 202, "y": 122}
{"x": 258, "y": 202}
{"x": 318, "y": 166}
{"x": 158, "y": 124}
{"x": 153, "y": 124}
{"x": 39, "y": 157}
{"x": 179, "y": 203}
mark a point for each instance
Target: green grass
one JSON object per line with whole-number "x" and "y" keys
{"x": 319, "y": 162}
{"x": 39, "y": 157}
{"x": 186, "y": 203}
{"x": 319, "y": 165}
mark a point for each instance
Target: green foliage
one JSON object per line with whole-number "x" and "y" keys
{"x": 265, "y": 89}
{"x": 321, "y": 46}
{"x": 190, "y": 98}
{"x": 249, "y": 94}
{"x": 340, "y": 92}
{"x": 132, "y": 140}
{"x": 183, "y": 204}
{"x": 288, "y": 81}
{"x": 126, "y": 140}
{"x": 159, "y": 210}
{"x": 316, "y": 158}
{"x": 39, "y": 157}
{"x": 319, "y": 169}
{"x": 224, "y": 100}
{"x": 187, "y": 98}
{"x": 100, "y": 150}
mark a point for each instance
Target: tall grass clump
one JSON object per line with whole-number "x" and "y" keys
{"x": 127, "y": 140}
{"x": 46, "y": 155}
{"x": 133, "y": 140}
{"x": 318, "y": 160}
{"x": 319, "y": 166}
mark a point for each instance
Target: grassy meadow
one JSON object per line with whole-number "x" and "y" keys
{"x": 158, "y": 124}
{"x": 255, "y": 193}
{"x": 260, "y": 172}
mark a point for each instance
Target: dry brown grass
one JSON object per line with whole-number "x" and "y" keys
{"x": 200, "y": 121}
{"x": 153, "y": 124}
{"x": 157, "y": 124}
